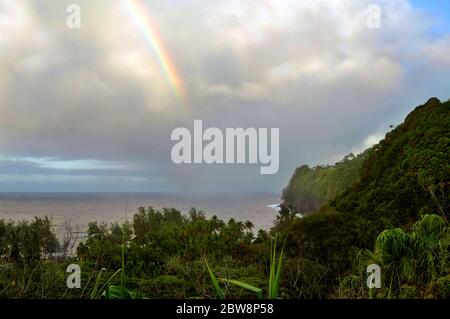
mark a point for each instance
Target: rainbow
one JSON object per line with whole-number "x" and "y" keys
{"x": 141, "y": 17}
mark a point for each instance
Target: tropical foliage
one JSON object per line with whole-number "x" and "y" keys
{"x": 404, "y": 177}
{"x": 388, "y": 206}
{"x": 414, "y": 264}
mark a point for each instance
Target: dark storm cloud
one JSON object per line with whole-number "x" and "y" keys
{"x": 313, "y": 69}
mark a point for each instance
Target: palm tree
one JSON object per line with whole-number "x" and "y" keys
{"x": 431, "y": 240}
{"x": 415, "y": 258}
{"x": 391, "y": 253}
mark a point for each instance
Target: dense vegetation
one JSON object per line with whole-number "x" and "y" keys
{"x": 407, "y": 174}
{"x": 163, "y": 257}
{"x": 310, "y": 188}
{"x": 414, "y": 263}
{"x": 394, "y": 213}
{"x": 403, "y": 178}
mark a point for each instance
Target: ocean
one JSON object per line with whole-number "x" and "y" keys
{"x": 78, "y": 209}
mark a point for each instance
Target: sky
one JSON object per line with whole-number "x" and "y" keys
{"x": 92, "y": 109}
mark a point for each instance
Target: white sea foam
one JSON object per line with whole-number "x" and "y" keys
{"x": 275, "y": 207}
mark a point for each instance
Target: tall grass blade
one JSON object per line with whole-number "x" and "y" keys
{"x": 275, "y": 271}
{"x": 106, "y": 284}
{"x": 219, "y": 292}
{"x": 94, "y": 293}
{"x": 277, "y": 279}
{"x": 122, "y": 283}
{"x": 273, "y": 247}
{"x": 259, "y": 292}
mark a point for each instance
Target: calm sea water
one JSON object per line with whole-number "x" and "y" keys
{"x": 81, "y": 208}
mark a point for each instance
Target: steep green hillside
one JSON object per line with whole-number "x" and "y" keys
{"x": 310, "y": 188}
{"x": 408, "y": 173}
{"x": 404, "y": 177}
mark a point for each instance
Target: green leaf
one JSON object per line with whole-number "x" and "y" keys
{"x": 275, "y": 271}
{"x": 117, "y": 292}
{"x": 259, "y": 292}
{"x": 219, "y": 292}
{"x": 94, "y": 293}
